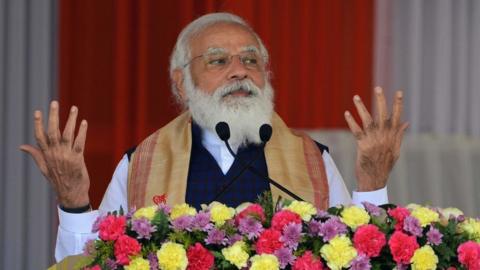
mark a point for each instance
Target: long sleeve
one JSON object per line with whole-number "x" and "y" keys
{"x": 74, "y": 230}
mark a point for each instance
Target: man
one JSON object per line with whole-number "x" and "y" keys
{"x": 218, "y": 72}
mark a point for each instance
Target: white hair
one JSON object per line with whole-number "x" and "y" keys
{"x": 181, "y": 52}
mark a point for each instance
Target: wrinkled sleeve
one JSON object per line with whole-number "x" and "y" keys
{"x": 74, "y": 230}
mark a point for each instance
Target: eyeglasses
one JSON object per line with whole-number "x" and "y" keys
{"x": 218, "y": 61}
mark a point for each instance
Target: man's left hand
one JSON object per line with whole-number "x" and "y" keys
{"x": 378, "y": 142}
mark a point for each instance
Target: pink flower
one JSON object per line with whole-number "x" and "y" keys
{"x": 124, "y": 247}
{"x": 402, "y": 247}
{"x": 399, "y": 214}
{"x": 112, "y": 227}
{"x": 284, "y": 217}
{"x": 95, "y": 267}
{"x": 253, "y": 210}
{"x": 369, "y": 240}
{"x": 199, "y": 258}
{"x": 307, "y": 262}
{"x": 268, "y": 242}
{"x": 469, "y": 255}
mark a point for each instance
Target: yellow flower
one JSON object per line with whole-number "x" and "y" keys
{"x": 451, "y": 211}
{"x": 424, "y": 258}
{"x": 138, "y": 263}
{"x": 236, "y": 254}
{"x": 264, "y": 262}
{"x": 182, "y": 210}
{"x": 172, "y": 256}
{"x": 355, "y": 216}
{"x": 304, "y": 209}
{"x": 219, "y": 213}
{"x": 471, "y": 227}
{"x": 145, "y": 212}
{"x": 339, "y": 252}
{"x": 425, "y": 215}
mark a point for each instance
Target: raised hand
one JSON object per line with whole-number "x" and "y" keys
{"x": 60, "y": 156}
{"x": 378, "y": 141}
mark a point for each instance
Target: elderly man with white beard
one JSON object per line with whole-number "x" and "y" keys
{"x": 219, "y": 73}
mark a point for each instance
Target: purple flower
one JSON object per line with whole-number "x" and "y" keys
{"x": 361, "y": 263}
{"x": 164, "y": 208}
{"x": 332, "y": 228}
{"x": 285, "y": 257}
{"x": 143, "y": 228}
{"x": 182, "y": 223}
{"x": 322, "y": 214}
{"x": 292, "y": 233}
{"x": 461, "y": 218}
{"x": 234, "y": 238}
{"x": 372, "y": 209}
{"x": 130, "y": 213}
{"x": 153, "y": 260}
{"x": 434, "y": 236}
{"x": 402, "y": 266}
{"x": 201, "y": 221}
{"x": 89, "y": 248}
{"x": 216, "y": 237}
{"x": 96, "y": 224}
{"x": 111, "y": 264}
{"x": 412, "y": 225}
{"x": 250, "y": 227}
{"x": 314, "y": 227}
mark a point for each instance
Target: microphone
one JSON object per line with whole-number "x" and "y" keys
{"x": 265, "y": 132}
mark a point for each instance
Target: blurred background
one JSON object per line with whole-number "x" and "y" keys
{"x": 110, "y": 58}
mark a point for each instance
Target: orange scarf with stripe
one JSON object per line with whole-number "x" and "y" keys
{"x": 159, "y": 166}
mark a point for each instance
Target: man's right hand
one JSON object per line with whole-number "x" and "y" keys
{"x": 60, "y": 156}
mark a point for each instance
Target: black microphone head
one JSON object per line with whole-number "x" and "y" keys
{"x": 223, "y": 131}
{"x": 265, "y": 132}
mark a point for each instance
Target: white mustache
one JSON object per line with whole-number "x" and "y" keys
{"x": 244, "y": 85}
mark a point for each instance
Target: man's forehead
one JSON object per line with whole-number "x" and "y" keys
{"x": 224, "y": 37}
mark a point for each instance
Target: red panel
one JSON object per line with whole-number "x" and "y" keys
{"x": 114, "y": 58}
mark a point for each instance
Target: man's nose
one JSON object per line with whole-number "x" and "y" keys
{"x": 236, "y": 69}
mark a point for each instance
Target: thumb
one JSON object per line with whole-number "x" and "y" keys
{"x": 37, "y": 156}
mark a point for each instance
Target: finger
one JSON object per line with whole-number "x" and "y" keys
{"x": 354, "y": 127}
{"x": 363, "y": 112}
{"x": 400, "y": 134}
{"x": 397, "y": 108}
{"x": 39, "y": 131}
{"x": 37, "y": 157}
{"x": 382, "y": 107}
{"x": 69, "y": 130}
{"x": 53, "y": 131}
{"x": 79, "y": 144}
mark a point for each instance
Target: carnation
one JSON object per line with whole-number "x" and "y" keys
{"x": 354, "y": 216}
{"x": 219, "y": 213}
{"x": 268, "y": 242}
{"x": 425, "y": 215}
{"x": 424, "y": 258}
{"x": 199, "y": 258}
{"x": 304, "y": 209}
{"x": 264, "y": 262}
{"x": 369, "y": 240}
{"x": 236, "y": 254}
{"x": 112, "y": 227}
{"x": 469, "y": 255}
{"x": 284, "y": 217}
{"x": 172, "y": 256}
{"x": 145, "y": 212}
{"x": 339, "y": 252}
{"x": 182, "y": 210}
{"x": 138, "y": 263}
{"x": 307, "y": 262}
{"x": 399, "y": 214}
{"x": 253, "y": 210}
{"x": 402, "y": 247}
{"x": 124, "y": 247}
{"x": 471, "y": 227}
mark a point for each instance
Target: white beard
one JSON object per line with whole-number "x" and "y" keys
{"x": 244, "y": 114}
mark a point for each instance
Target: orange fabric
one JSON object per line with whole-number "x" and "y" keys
{"x": 114, "y": 56}
{"x": 159, "y": 166}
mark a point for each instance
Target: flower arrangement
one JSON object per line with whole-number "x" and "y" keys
{"x": 290, "y": 235}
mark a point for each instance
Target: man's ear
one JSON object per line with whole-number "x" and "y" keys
{"x": 178, "y": 80}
